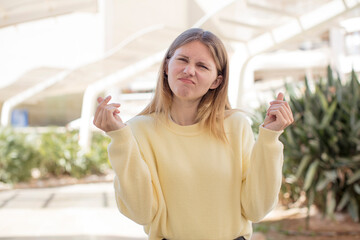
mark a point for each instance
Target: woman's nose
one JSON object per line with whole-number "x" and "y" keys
{"x": 189, "y": 69}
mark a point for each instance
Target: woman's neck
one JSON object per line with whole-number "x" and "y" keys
{"x": 184, "y": 112}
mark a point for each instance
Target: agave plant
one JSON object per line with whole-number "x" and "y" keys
{"x": 322, "y": 147}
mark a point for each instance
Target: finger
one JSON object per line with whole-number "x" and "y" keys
{"x": 280, "y": 96}
{"x": 109, "y": 117}
{"x": 117, "y": 117}
{"x": 279, "y": 118}
{"x": 110, "y": 113}
{"x": 268, "y": 119}
{"x": 102, "y": 104}
{"x": 287, "y": 107}
{"x": 284, "y": 111}
{"x": 284, "y": 106}
{"x": 285, "y": 119}
{"x": 104, "y": 120}
{"x": 288, "y": 110}
{"x": 281, "y": 108}
{"x": 98, "y": 118}
{"x": 100, "y": 99}
{"x": 277, "y": 102}
{"x": 106, "y": 100}
{"x": 286, "y": 115}
{"x": 116, "y": 105}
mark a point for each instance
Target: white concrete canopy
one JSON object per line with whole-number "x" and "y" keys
{"x": 20, "y": 11}
{"x": 132, "y": 35}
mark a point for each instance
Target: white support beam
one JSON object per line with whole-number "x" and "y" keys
{"x": 237, "y": 60}
{"x": 261, "y": 43}
{"x": 10, "y": 103}
{"x": 334, "y": 9}
{"x": 270, "y": 10}
{"x": 323, "y": 13}
{"x": 277, "y": 12}
{"x": 25, "y": 11}
{"x": 221, "y": 5}
{"x": 293, "y": 30}
{"x": 134, "y": 37}
{"x": 92, "y": 91}
{"x": 247, "y": 25}
{"x": 286, "y": 31}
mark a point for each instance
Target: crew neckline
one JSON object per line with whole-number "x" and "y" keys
{"x": 187, "y": 130}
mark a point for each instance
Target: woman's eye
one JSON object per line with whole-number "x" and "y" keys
{"x": 182, "y": 59}
{"x": 204, "y": 67}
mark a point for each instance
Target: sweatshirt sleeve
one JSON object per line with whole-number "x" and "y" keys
{"x": 263, "y": 174}
{"x": 134, "y": 191}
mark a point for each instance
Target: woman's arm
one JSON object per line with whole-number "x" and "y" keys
{"x": 263, "y": 174}
{"x": 264, "y": 160}
{"x": 135, "y": 194}
{"x": 134, "y": 190}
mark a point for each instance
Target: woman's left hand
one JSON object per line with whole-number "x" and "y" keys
{"x": 279, "y": 114}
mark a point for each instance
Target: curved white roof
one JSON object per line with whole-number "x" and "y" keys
{"x": 113, "y": 35}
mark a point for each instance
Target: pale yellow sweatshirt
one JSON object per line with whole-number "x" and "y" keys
{"x": 183, "y": 184}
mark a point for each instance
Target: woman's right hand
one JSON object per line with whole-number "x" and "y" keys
{"x": 106, "y": 116}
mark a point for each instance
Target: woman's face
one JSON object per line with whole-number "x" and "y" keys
{"x": 192, "y": 71}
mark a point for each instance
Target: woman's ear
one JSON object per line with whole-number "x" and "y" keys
{"x": 217, "y": 82}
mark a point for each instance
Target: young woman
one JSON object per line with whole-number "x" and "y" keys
{"x": 187, "y": 167}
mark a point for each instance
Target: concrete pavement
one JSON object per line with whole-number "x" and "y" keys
{"x": 76, "y": 212}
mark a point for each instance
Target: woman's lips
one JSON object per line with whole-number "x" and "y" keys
{"x": 186, "y": 80}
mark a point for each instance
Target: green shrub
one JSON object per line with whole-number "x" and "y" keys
{"x": 97, "y": 158}
{"x": 17, "y": 156}
{"x": 322, "y": 147}
{"x": 53, "y": 153}
{"x": 61, "y": 155}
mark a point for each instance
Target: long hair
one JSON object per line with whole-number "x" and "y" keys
{"x": 213, "y": 105}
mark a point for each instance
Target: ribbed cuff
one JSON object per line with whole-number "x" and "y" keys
{"x": 120, "y": 134}
{"x": 268, "y": 134}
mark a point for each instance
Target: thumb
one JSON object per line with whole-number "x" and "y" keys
{"x": 280, "y": 96}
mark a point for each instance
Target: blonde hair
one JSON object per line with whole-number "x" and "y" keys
{"x": 213, "y": 105}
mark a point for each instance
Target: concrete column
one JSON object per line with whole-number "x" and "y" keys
{"x": 337, "y": 48}
{"x": 237, "y": 62}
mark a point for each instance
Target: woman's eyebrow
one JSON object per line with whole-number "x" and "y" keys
{"x": 199, "y": 62}
{"x": 204, "y": 63}
{"x": 208, "y": 65}
{"x": 182, "y": 55}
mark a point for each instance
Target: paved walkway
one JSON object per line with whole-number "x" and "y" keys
{"x": 76, "y": 212}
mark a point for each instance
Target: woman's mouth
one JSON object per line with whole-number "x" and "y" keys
{"x": 186, "y": 80}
